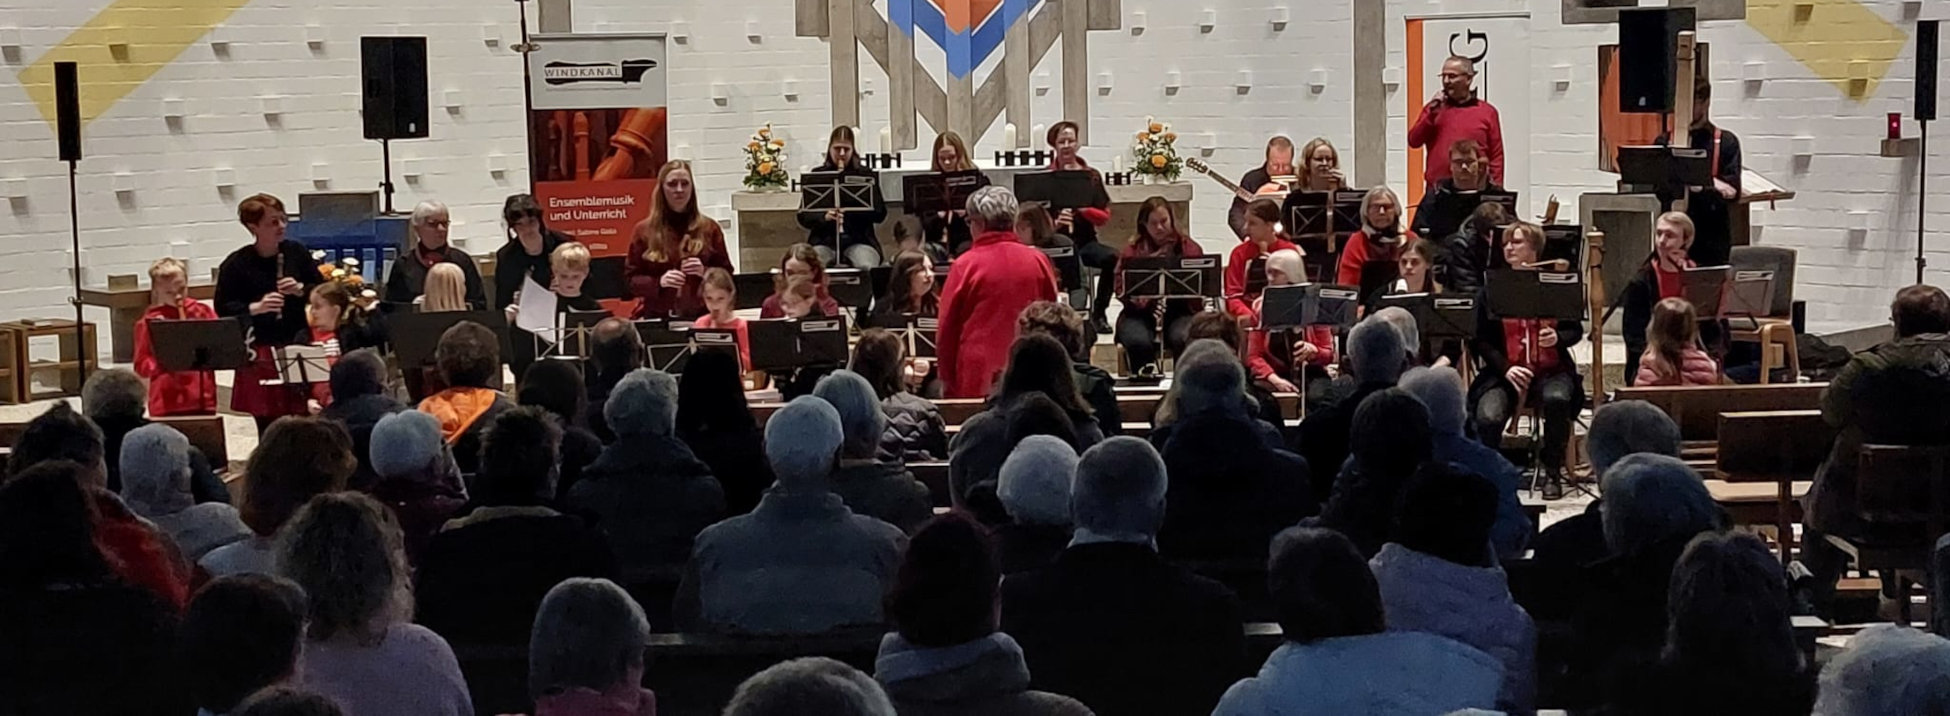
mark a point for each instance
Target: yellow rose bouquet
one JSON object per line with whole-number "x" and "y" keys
{"x": 1156, "y": 151}
{"x": 765, "y": 161}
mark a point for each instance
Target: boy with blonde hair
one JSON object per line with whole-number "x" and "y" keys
{"x": 178, "y": 392}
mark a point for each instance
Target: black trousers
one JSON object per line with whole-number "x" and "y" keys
{"x": 1137, "y": 333}
{"x": 1104, "y": 259}
{"x": 1558, "y": 395}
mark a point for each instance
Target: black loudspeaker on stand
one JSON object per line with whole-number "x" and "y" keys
{"x": 393, "y": 82}
{"x": 1926, "y": 49}
{"x": 67, "y": 121}
{"x": 1648, "y": 63}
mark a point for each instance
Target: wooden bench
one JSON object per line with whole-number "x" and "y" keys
{"x": 1696, "y": 410}
{"x": 1134, "y": 408}
{"x": 205, "y": 433}
{"x": 1765, "y": 463}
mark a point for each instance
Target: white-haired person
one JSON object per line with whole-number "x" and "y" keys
{"x": 648, "y": 492}
{"x": 1376, "y": 357}
{"x": 416, "y": 476}
{"x": 801, "y": 563}
{"x": 881, "y": 489}
{"x": 1442, "y": 391}
{"x": 428, "y": 247}
{"x": 1034, "y": 489}
{"x": 1279, "y": 359}
{"x": 987, "y": 288}
{"x": 586, "y": 652}
{"x": 187, "y": 392}
{"x": 112, "y": 399}
{"x": 1112, "y": 624}
{"x": 156, "y": 478}
{"x": 809, "y": 685}
{"x": 1887, "y": 669}
{"x": 1380, "y": 239}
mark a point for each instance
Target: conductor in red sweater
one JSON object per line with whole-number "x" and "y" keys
{"x": 1456, "y": 114}
{"x": 987, "y": 288}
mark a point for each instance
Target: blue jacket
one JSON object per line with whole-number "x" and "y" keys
{"x": 802, "y": 563}
{"x": 1407, "y": 673}
{"x": 1472, "y": 605}
{"x": 1512, "y": 530}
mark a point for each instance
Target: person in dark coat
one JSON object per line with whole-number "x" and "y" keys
{"x": 1377, "y": 356}
{"x": 359, "y": 400}
{"x": 1560, "y": 553}
{"x": 1470, "y": 252}
{"x": 407, "y": 278}
{"x": 418, "y": 480}
{"x": 715, "y": 421}
{"x": 240, "y": 635}
{"x": 882, "y": 490}
{"x": 1230, "y": 492}
{"x": 1037, "y": 365}
{"x": 1034, "y": 490}
{"x": 1391, "y": 438}
{"x": 1097, "y": 386}
{"x": 1113, "y": 624}
{"x": 650, "y": 494}
{"x": 114, "y": 398}
{"x": 616, "y": 348}
{"x": 524, "y": 257}
{"x": 557, "y": 387}
{"x": 848, "y": 235}
{"x": 481, "y": 578}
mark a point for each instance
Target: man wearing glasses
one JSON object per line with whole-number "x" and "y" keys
{"x": 1453, "y": 115}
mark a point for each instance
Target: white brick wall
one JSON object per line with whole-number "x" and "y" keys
{"x": 172, "y": 164}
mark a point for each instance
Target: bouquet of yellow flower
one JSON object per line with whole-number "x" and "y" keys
{"x": 1156, "y": 151}
{"x": 345, "y": 272}
{"x": 765, "y": 161}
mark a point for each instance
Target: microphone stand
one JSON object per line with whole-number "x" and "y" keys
{"x": 82, "y": 348}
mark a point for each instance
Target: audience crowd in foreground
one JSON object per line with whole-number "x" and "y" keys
{"x": 374, "y": 550}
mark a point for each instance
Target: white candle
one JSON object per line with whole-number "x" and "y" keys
{"x": 1009, "y": 137}
{"x": 1117, "y": 164}
{"x": 886, "y": 140}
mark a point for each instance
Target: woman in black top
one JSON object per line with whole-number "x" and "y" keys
{"x": 846, "y": 234}
{"x": 265, "y": 285}
{"x": 714, "y": 420}
{"x": 950, "y": 228}
{"x": 526, "y": 255}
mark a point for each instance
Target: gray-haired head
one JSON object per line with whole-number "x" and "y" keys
{"x": 1442, "y": 391}
{"x": 113, "y": 393}
{"x": 1650, "y": 499}
{"x": 1289, "y": 262}
{"x": 1210, "y": 377}
{"x": 1376, "y": 350}
{"x": 1887, "y": 669}
{"x": 361, "y": 372}
{"x": 156, "y": 471}
{"x": 643, "y": 403}
{"x": 1627, "y": 427}
{"x": 425, "y": 211}
{"x": 992, "y": 208}
{"x": 407, "y": 444}
{"x": 809, "y": 685}
{"x": 861, "y": 418}
{"x": 1119, "y": 491}
{"x": 802, "y": 441}
{"x": 1404, "y": 323}
{"x": 588, "y": 634}
{"x": 1034, "y": 484}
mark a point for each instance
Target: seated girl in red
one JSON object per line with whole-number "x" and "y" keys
{"x": 721, "y": 312}
{"x": 190, "y": 392}
{"x": 1273, "y": 356}
{"x": 1263, "y": 237}
{"x": 1672, "y": 354}
{"x": 1380, "y": 239}
{"x": 800, "y": 260}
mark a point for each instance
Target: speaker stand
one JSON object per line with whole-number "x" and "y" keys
{"x": 1922, "y": 193}
{"x": 386, "y": 183}
{"x": 82, "y": 348}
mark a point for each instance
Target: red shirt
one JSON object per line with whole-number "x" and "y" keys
{"x": 1520, "y": 343}
{"x": 737, "y": 327}
{"x": 646, "y": 277}
{"x": 181, "y": 392}
{"x": 1238, "y": 302}
{"x": 987, "y": 289}
{"x": 1672, "y": 284}
{"x": 1360, "y": 250}
{"x": 1474, "y": 119}
{"x": 1266, "y": 358}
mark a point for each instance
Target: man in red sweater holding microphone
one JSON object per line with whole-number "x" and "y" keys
{"x": 987, "y": 288}
{"x": 1456, "y": 114}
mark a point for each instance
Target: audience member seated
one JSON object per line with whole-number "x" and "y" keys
{"x": 1037, "y": 364}
{"x": 1404, "y": 323}
{"x": 1441, "y": 391}
{"x": 77, "y": 638}
{"x": 417, "y": 477}
{"x": 140, "y": 553}
{"x": 1340, "y": 657}
{"x": 1894, "y": 394}
{"x": 288, "y": 701}
{"x": 1034, "y": 490}
{"x": 296, "y": 460}
{"x": 361, "y": 651}
{"x": 482, "y": 575}
{"x": 1377, "y": 358}
{"x": 1618, "y": 429}
{"x": 649, "y": 494}
{"x": 240, "y": 635}
{"x": 359, "y": 399}
{"x": 945, "y": 655}
{"x": 801, "y": 563}
{"x": 470, "y": 361}
{"x": 156, "y": 486}
{"x": 1730, "y": 645}
{"x": 1673, "y": 355}
{"x": 915, "y": 430}
{"x": 1437, "y": 575}
{"x": 1230, "y": 492}
{"x": 885, "y": 491}
{"x": 1391, "y": 440}
{"x": 1223, "y": 328}
{"x": 1111, "y": 623}
{"x": 1063, "y": 323}
{"x": 586, "y": 656}
{"x": 1200, "y": 352}
{"x": 716, "y": 422}
{"x": 1887, "y": 669}
{"x": 809, "y": 685}
{"x": 113, "y": 398}
{"x": 557, "y": 387}
{"x": 615, "y": 349}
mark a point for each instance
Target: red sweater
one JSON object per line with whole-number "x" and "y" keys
{"x": 1238, "y": 303}
{"x": 1359, "y": 251}
{"x": 1475, "y": 119}
{"x": 1264, "y": 362}
{"x": 987, "y": 289}
{"x": 181, "y": 392}
{"x": 646, "y": 277}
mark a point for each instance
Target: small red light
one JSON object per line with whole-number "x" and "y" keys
{"x": 1895, "y": 125}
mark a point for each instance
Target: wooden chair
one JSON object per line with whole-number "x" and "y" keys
{"x": 1903, "y": 490}
{"x": 1782, "y": 447}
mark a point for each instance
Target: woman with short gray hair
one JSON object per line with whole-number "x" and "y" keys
{"x": 428, "y": 248}
{"x": 987, "y": 288}
{"x": 585, "y": 655}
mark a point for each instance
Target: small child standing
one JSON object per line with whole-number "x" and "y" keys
{"x": 569, "y": 268}
{"x": 178, "y": 392}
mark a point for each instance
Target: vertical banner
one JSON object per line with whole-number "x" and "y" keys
{"x": 597, "y": 134}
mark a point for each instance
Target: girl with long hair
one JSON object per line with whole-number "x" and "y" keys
{"x": 950, "y": 228}
{"x": 800, "y": 260}
{"x": 846, "y": 235}
{"x": 721, "y": 312}
{"x": 672, "y": 248}
{"x": 910, "y": 288}
{"x": 1263, "y": 237}
{"x": 916, "y": 431}
{"x": 1672, "y": 353}
{"x": 1144, "y": 318}
{"x": 1319, "y": 166}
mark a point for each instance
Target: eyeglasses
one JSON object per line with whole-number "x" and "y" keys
{"x": 1455, "y": 75}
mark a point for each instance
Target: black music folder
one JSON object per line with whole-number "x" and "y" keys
{"x": 787, "y": 343}
{"x": 1308, "y": 304}
{"x": 850, "y": 287}
{"x": 932, "y": 193}
{"x": 199, "y": 344}
{"x": 1515, "y": 293}
{"x": 1438, "y": 316}
{"x": 1166, "y": 277}
{"x": 753, "y": 288}
{"x": 416, "y": 334}
{"x": 1061, "y": 190}
{"x": 606, "y": 279}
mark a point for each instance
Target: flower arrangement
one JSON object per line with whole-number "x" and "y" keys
{"x": 765, "y": 161}
{"x": 1156, "y": 151}
{"x": 345, "y": 272}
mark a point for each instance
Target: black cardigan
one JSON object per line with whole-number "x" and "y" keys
{"x": 1489, "y": 345}
{"x": 407, "y": 279}
{"x": 511, "y": 263}
{"x": 859, "y": 226}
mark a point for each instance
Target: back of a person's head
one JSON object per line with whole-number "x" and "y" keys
{"x": 287, "y": 701}
{"x": 59, "y": 433}
{"x": 469, "y": 356}
{"x": 643, "y": 403}
{"x": 1447, "y": 512}
{"x": 555, "y": 386}
{"x": 1887, "y": 670}
{"x": 240, "y": 634}
{"x": 1652, "y": 499}
{"x": 945, "y": 589}
{"x": 518, "y": 458}
{"x": 1215, "y": 326}
{"x": 1376, "y": 352}
{"x": 1321, "y": 587}
{"x": 407, "y": 444}
{"x": 1120, "y": 489}
{"x": 1920, "y": 309}
{"x": 296, "y": 459}
{"x": 1728, "y": 609}
{"x": 802, "y": 441}
{"x": 1441, "y": 390}
{"x": 1038, "y": 414}
{"x": 155, "y": 464}
{"x": 1034, "y": 485}
{"x": 344, "y": 550}
{"x": 114, "y": 393}
{"x": 809, "y": 686}
{"x": 616, "y": 346}
{"x": 711, "y": 395}
{"x": 1210, "y": 379}
{"x": 861, "y": 418}
{"x": 588, "y": 634}
{"x": 1056, "y": 320}
{"x": 1628, "y": 427}
{"x": 1390, "y": 432}
{"x": 361, "y": 372}
{"x": 1405, "y": 325}
{"x": 1038, "y": 363}
{"x": 47, "y": 531}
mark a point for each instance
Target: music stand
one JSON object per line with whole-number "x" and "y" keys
{"x": 1706, "y": 287}
{"x": 933, "y": 193}
{"x": 606, "y": 279}
{"x": 199, "y": 345}
{"x": 753, "y": 288}
{"x": 416, "y": 335}
{"x": 1309, "y": 215}
{"x": 718, "y": 340}
{"x": 1663, "y": 169}
{"x": 666, "y": 345}
{"x": 1540, "y": 295}
{"x": 1164, "y": 277}
{"x": 1750, "y": 296}
{"x": 1438, "y": 316}
{"x": 300, "y": 365}
{"x": 574, "y": 332}
{"x": 1347, "y": 214}
{"x": 1563, "y": 242}
{"x": 1307, "y": 304}
{"x": 849, "y": 287}
{"x": 1451, "y": 210}
{"x": 1256, "y": 276}
{"x": 820, "y": 192}
{"x": 1378, "y": 277}
{"x": 785, "y": 344}
{"x": 917, "y": 333}
{"x": 1059, "y": 190}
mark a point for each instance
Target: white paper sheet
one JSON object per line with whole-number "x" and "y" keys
{"x": 537, "y": 310}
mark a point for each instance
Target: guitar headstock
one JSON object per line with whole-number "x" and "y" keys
{"x": 1197, "y": 165}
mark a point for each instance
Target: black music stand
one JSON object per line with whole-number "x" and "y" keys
{"x": 933, "y": 193}
{"x": 1540, "y": 295}
{"x": 1438, "y": 316}
{"x": 1060, "y": 190}
{"x": 1449, "y": 210}
{"x": 1750, "y": 296}
{"x": 574, "y": 335}
{"x": 606, "y": 279}
{"x": 1664, "y": 170}
{"x": 820, "y": 192}
{"x": 753, "y": 288}
{"x": 1069, "y": 266}
{"x": 916, "y": 332}
{"x": 1308, "y": 304}
{"x": 1347, "y": 215}
{"x": 850, "y": 287}
{"x": 1164, "y": 278}
{"x": 715, "y": 340}
{"x": 1377, "y": 278}
{"x": 1564, "y": 242}
{"x": 300, "y": 365}
{"x": 1706, "y": 288}
{"x": 787, "y": 344}
{"x": 1309, "y": 215}
{"x": 415, "y": 335}
{"x": 199, "y": 344}
{"x": 666, "y": 344}
{"x": 1256, "y": 276}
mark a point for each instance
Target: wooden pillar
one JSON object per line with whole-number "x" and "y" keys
{"x": 1370, "y": 97}
{"x": 845, "y": 62}
{"x": 900, "y": 78}
{"x": 1076, "y": 65}
{"x": 1015, "y": 74}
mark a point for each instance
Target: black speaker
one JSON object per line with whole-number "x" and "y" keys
{"x": 67, "y": 110}
{"x": 394, "y": 70}
{"x": 1648, "y": 42}
{"x": 1926, "y": 70}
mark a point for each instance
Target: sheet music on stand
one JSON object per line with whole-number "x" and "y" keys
{"x": 836, "y": 191}
{"x": 932, "y": 193}
{"x": 1309, "y": 215}
{"x": 1750, "y": 297}
{"x": 1059, "y": 190}
{"x": 1163, "y": 277}
{"x": 574, "y": 335}
{"x": 1438, "y": 316}
{"x": 1542, "y": 295}
{"x": 788, "y": 343}
{"x": 666, "y": 344}
{"x": 199, "y": 344}
{"x": 1706, "y": 287}
{"x": 300, "y": 365}
{"x": 916, "y": 332}
{"x": 1308, "y": 304}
